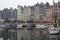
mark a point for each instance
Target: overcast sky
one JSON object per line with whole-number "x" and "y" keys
{"x": 15, "y": 3}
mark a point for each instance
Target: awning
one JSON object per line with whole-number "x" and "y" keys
{"x": 47, "y": 21}
{"x": 36, "y": 20}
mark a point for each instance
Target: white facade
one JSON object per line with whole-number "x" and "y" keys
{"x": 26, "y": 12}
{"x": 18, "y": 12}
{"x": 37, "y": 14}
{"x": 23, "y": 13}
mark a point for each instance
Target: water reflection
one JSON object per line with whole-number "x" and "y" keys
{"x": 1, "y": 38}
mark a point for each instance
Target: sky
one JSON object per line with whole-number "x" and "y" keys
{"x": 15, "y": 3}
